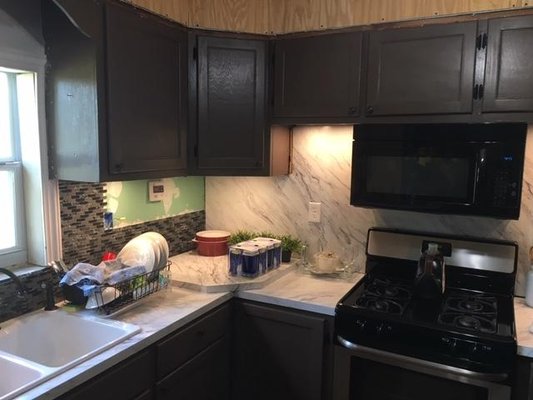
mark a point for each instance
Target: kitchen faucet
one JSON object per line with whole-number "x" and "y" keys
{"x": 21, "y": 288}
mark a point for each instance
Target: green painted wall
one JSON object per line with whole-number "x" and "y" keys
{"x": 128, "y": 201}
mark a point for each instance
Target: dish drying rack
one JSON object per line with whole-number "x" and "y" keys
{"x": 113, "y": 298}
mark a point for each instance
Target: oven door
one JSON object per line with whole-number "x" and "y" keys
{"x": 365, "y": 373}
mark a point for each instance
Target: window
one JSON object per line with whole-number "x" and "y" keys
{"x": 30, "y": 229}
{"x": 12, "y": 226}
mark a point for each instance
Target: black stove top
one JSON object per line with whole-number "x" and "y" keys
{"x": 471, "y": 326}
{"x": 463, "y": 311}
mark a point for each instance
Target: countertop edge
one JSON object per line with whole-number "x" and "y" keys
{"x": 289, "y": 303}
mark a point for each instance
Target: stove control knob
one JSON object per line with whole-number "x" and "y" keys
{"x": 485, "y": 347}
{"x": 360, "y": 324}
{"x": 383, "y": 329}
{"x": 451, "y": 344}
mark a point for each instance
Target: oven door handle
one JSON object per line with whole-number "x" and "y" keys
{"x": 419, "y": 365}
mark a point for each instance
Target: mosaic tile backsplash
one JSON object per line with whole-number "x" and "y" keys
{"x": 12, "y": 304}
{"x": 84, "y": 238}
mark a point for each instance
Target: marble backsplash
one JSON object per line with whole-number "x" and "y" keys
{"x": 321, "y": 172}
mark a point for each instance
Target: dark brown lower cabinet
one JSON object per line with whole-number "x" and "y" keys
{"x": 131, "y": 379}
{"x": 194, "y": 363}
{"x": 205, "y": 377}
{"x": 280, "y": 354}
{"x": 523, "y": 385}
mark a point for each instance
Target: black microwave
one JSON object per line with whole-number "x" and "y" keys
{"x": 468, "y": 169}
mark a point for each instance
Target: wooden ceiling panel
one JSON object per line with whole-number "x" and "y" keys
{"x": 178, "y": 10}
{"x": 294, "y": 15}
{"x": 230, "y": 15}
{"x": 284, "y": 16}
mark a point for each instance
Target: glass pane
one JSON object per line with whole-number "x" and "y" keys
{"x": 7, "y": 210}
{"x": 6, "y": 145}
{"x": 419, "y": 176}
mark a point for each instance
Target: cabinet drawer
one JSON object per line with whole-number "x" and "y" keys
{"x": 180, "y": 347}
{"x": 204, "y": 377}
{"x": 128, "y": 380}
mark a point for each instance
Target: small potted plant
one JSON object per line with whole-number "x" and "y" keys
{"x": 241, "y": 236}
{"x": 289, "y": 245}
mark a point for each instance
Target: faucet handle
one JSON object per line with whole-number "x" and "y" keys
{"x": 50, "y": 304}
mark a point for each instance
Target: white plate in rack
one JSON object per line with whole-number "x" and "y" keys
{"x": 140, "y": 251}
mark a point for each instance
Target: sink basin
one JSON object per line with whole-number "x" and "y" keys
{"x": 43, "y": 344}
{"x": 56, "y": 338}
{"x": 20, "y": 377}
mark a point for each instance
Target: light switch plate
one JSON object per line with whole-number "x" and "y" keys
{"x": 156, "y": 190}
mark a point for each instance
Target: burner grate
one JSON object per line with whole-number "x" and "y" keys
{"x": 385, "y": 295}
{"x": 476, "y": 313}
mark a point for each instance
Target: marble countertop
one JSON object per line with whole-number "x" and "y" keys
{"x": 523, "y": 320}
{"x": 162, "y": 313}
{"x": 210, "y": 274}
{"x": 303, "y": 292}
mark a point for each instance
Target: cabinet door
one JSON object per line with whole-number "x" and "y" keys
{"x": 178, "y": 348}
{"x": 204, "y": 377}
{"x": 146, "y": 93}
{"x": 231, "y": 105}
{"x": 131, "y": 379}
{"x": 318, "y": 76}
{"x": 508, "y": 74}
{"x": 419, "y": 71}
{"x": 280, "y": 354}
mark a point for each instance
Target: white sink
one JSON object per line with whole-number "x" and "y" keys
{"x": 16, "y": 377}
{"x": 50, "y": 342}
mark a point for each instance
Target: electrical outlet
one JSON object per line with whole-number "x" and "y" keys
{"x": 314, "y": 212}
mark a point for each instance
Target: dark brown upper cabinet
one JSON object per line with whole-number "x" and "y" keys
{"x": 317, "y": 79}
{"x": 421, "y": 71}
{"x": 229, "y": 128}
{"x": 116, "y": 91}
{"x": 508, "y": 73}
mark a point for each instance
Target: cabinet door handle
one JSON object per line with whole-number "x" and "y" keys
{"x": 481, "y": 41}
{"x": 118, "y": 167}
{"x": 370, "y": 110}
{"x": 484, "y": 40}
{"x": 352, "y": 110}
{"x": 481, "y": 91}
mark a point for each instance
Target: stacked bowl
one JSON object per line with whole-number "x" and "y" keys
{"x": 212, "y": 243}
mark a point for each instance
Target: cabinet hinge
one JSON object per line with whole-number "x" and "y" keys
{"x": 195, "y": 53}
{"x": 481, "y": 41}
{"x": 481, "y": 91}
{"x": 478, "y": 92}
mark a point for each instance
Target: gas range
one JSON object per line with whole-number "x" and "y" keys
{"x": 470, "y": 328}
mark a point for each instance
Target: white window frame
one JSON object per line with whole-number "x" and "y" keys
{"x": 41, "y": 200}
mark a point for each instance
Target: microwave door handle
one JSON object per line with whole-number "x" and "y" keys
{"x": 480, "y": 159}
